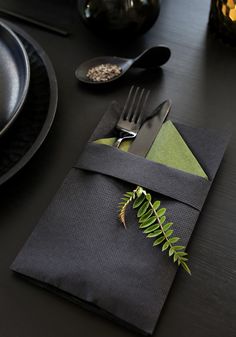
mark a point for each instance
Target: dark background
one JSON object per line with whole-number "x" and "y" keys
{"x": 200, "y": 79}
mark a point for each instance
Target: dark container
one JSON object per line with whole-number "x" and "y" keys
{"x": 119, "y": 17}
{"x": 222, "y": 20}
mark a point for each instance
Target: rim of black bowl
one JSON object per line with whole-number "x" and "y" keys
{"x": 22, "y": 99}
{"x": 52, "y": 106}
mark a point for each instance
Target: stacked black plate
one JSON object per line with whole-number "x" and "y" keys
{"x": 29, "y": 106}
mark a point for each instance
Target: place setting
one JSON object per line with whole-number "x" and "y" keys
{"x": 118, "y": 228}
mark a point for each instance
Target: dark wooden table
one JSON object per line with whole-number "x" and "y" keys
{"x": 200, "y": 79}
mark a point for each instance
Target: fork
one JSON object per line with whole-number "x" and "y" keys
{"x": 131, "y": 117}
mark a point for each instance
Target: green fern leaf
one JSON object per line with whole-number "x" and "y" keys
{"x": 158, "y": 241}
{"x": 151, "y": 229}
{"x": 167, "y": 226}
{"x": 148, "y": 222}
{"x": 161, "y": 212}
{"x": 165, "y": 246}
{"x": 169, "y": 233}
{"x": 185, "y": 266}
{"x": 128, "y": 194}
{"x": 155, "y": 233}
{"x": 182, "y": 253}
{"x": 162, "y": 220}
{"x": 174, "y": 239}
{"x": 146, "y": 216}
{"x": 143, "y": 209}
{"x": 175, "y": 257}
{"x": 179, "y": 247}
{"x": 171, "y": 251}
{"x": 156, "y": 205}
{"x": 149, "y": 197}
{"x": 139, "y": 201}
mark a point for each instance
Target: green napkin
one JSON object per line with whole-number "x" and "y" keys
{"x": 169, "y": 149}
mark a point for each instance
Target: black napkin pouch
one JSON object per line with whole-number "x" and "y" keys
{"x": 80, "y": 250}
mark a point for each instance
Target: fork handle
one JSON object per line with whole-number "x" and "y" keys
{"x": 119, "y": 140}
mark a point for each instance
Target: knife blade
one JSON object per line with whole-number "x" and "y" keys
{"x": 149, "y": 130}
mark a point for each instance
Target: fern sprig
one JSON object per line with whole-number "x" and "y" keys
{"x": 152, "y": 221}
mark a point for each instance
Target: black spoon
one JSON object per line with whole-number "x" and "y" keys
{"x": 150, "y": 59}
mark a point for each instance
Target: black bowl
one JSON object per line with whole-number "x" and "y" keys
{"x": 119, "y": 17}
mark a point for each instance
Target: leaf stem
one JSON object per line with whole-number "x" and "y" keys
{"x": 160, "y": 224}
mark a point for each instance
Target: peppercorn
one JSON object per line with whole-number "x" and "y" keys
{"x": 103, "y": 72}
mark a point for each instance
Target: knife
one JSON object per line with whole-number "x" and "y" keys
{"x": 149, "y": 130}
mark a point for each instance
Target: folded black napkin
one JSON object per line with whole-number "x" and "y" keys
{"x": 79, "y": 248}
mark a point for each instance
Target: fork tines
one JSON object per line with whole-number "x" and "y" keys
{"x": 135, "y": 104}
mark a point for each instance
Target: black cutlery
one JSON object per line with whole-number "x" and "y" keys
{"x": 149, "y": 130}
{"x": 130, "y": 120}
{"x": 34, "y": 22}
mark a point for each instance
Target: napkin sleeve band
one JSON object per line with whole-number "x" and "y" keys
{"x": 207, "y": 145}
{"x": 184, "y": 187}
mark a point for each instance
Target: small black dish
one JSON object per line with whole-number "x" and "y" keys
{"x": 151, "y": 58}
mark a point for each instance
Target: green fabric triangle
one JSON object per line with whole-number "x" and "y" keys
{"x": 169, "y": 149}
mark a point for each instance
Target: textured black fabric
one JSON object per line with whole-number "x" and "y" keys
{"x": 188, "y": 188}
{"x": 80, "y": 248}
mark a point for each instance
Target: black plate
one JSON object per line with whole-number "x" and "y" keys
{"x": 27, "y": 133}
{"x": 14, "y": 76}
